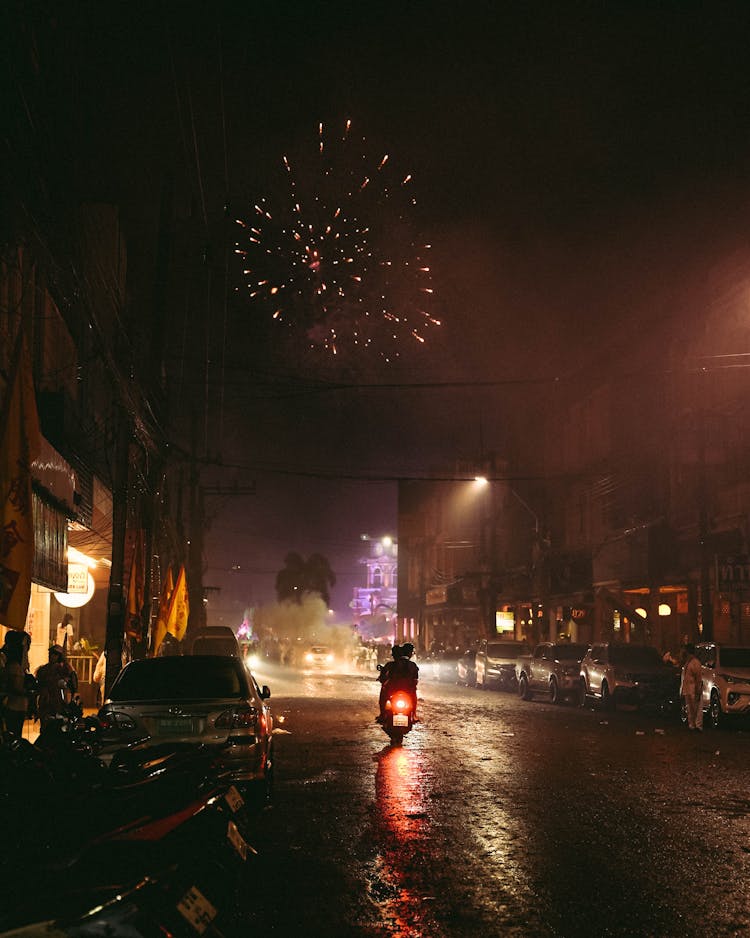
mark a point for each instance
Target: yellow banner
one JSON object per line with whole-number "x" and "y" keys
{"x": 179, "y": 607}
{"x": 133, "y": 624}
{"x": 160, "y": 630}
{"x": 19, "y": 444}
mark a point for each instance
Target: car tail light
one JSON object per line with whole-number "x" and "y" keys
{"x": 241, "y": 718}
{"x": 117, "y": 721}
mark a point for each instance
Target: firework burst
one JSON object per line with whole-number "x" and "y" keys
{"x": 335, "y": 255}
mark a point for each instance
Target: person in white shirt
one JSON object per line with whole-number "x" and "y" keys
{"x": 100, "y": 673}
{"x": 65, "y": 633}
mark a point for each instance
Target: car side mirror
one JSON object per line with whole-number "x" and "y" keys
{"x": 265, "y": 692}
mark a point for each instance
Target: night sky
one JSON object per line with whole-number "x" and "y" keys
{"x": 578, "y": 169}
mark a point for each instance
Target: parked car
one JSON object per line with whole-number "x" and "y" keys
{"x": 495, "y": 663}
{"x": 615, "y": 672}
{"x": 215, "y": 640}
{"x": 554, "y": 669}
{"x": 204, "y": 699}
{"x": 445, "y": 663}
{"x": 466, "y": 672}
{"x": 726, "y": 680}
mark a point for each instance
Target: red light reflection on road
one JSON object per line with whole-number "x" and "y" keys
{"x": 399, "y": 789}
{"x": 402, "y": 785}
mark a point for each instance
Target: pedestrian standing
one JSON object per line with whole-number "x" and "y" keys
{"x": 15, "y": 706}
{"x": 100, "y": 674}
{"x": 65, "y": 632}
{"x": 691, "y": 688}
{"x": 58, "y": 683}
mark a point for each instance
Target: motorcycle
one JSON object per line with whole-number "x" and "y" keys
{"x": 400, "y": 715}
{"x": 157, "y": 846}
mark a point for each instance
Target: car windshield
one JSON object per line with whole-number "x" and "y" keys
{"x": 319, "y": 650}
{"x": 180, "y": 677}
{"x": 635, "y": 656}
{"x": 570, "y": 652}
{"x": 503, "y": 649}
{"x": 735, "y": 657}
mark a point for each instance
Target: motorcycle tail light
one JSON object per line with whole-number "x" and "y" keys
{"x": 244, "y": 718}
{"x": 401, "y": 703}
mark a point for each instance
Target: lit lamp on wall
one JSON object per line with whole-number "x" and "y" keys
{"x": 81, "y": 584}
{"x": 664, "y": 610}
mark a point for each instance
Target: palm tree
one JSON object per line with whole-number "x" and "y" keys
{"x": 302, "y": 577}
{"x": 320, "y": 577}
{"x": 290, "y": 580}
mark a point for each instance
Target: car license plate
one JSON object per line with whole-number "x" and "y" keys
{"x": 236, "y": 839}
{"x": 181, "y": 726}
{"x": 196, "y": 909}
{"x": 400, "y": 719}
{"x": 234, "y": 799}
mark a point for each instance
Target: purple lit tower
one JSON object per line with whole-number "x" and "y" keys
{"x": 374, "y": 606}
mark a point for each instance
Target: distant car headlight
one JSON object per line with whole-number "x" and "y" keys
{"x": 329, "y": 659}
{"x": 252, "y": 661}
{"x": 309, "y": 658}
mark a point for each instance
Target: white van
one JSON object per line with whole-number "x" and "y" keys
{"x": 215, "y": 640}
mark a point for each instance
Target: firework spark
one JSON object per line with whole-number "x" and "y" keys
{"x": 335, "y": 256}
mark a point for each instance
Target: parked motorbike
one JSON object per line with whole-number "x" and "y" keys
{"x": 181, "y": 873}
{"x": 159, "y": 836}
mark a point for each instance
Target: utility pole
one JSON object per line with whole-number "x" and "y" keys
{"x": 116, "y": 598}
{"x": 706, "y": 597}
{"x": 197, "y": 617}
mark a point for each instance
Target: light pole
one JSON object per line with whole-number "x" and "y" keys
{"x": 488, "y": 552}
{"x": 487, "y": 556}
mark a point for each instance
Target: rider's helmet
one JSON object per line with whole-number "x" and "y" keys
{"x": 397, "y": 651}
{"x": 407, "y": 650}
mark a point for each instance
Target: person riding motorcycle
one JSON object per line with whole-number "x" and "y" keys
{"x": 400, "y": 674}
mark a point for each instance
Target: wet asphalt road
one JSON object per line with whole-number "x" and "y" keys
{"x": 497, "y": 817}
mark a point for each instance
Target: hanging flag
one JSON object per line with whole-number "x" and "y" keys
{"x": 179, "y": 607}
{"x": 19, "y": 444}
{"x": 134, "y": 623}
{"x": 160, "y": 629}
